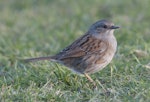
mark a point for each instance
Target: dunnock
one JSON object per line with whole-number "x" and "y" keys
{"x": 91, "y": 52}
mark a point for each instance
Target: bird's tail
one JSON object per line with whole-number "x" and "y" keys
{"x": 38, "y": 59}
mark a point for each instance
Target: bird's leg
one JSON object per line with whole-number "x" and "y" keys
{"x": 90, "y": 79}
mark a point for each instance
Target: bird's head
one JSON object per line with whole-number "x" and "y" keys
{"x": 103, "y": 27}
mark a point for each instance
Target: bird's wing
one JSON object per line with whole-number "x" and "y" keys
{"x": 87, "y": 44}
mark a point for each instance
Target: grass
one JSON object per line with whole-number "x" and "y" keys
{"x": 32, "y": 28}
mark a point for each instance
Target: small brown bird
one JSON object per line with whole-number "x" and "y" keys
{"x": 91, "y": 52}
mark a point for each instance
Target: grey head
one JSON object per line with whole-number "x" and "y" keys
{"x": 102, "y": 27}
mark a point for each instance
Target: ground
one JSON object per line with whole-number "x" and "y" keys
{"x": 32, "y": 28}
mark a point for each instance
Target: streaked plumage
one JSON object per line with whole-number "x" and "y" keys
{"x": 91, "y": 52}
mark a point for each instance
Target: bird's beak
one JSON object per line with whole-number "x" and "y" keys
{"x": 114, "y": 27}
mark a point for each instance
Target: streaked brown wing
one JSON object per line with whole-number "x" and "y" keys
{"x": 85, "y": 45}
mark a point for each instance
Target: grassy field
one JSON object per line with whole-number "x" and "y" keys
{"x": 32, "y": 28}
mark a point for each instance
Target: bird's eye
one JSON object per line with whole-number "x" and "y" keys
{"x": 105, "y": 26}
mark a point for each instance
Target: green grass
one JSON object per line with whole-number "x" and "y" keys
{"x": 32, "y": 28}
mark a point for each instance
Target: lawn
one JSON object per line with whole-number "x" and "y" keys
{"x": 32, "y": 28}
